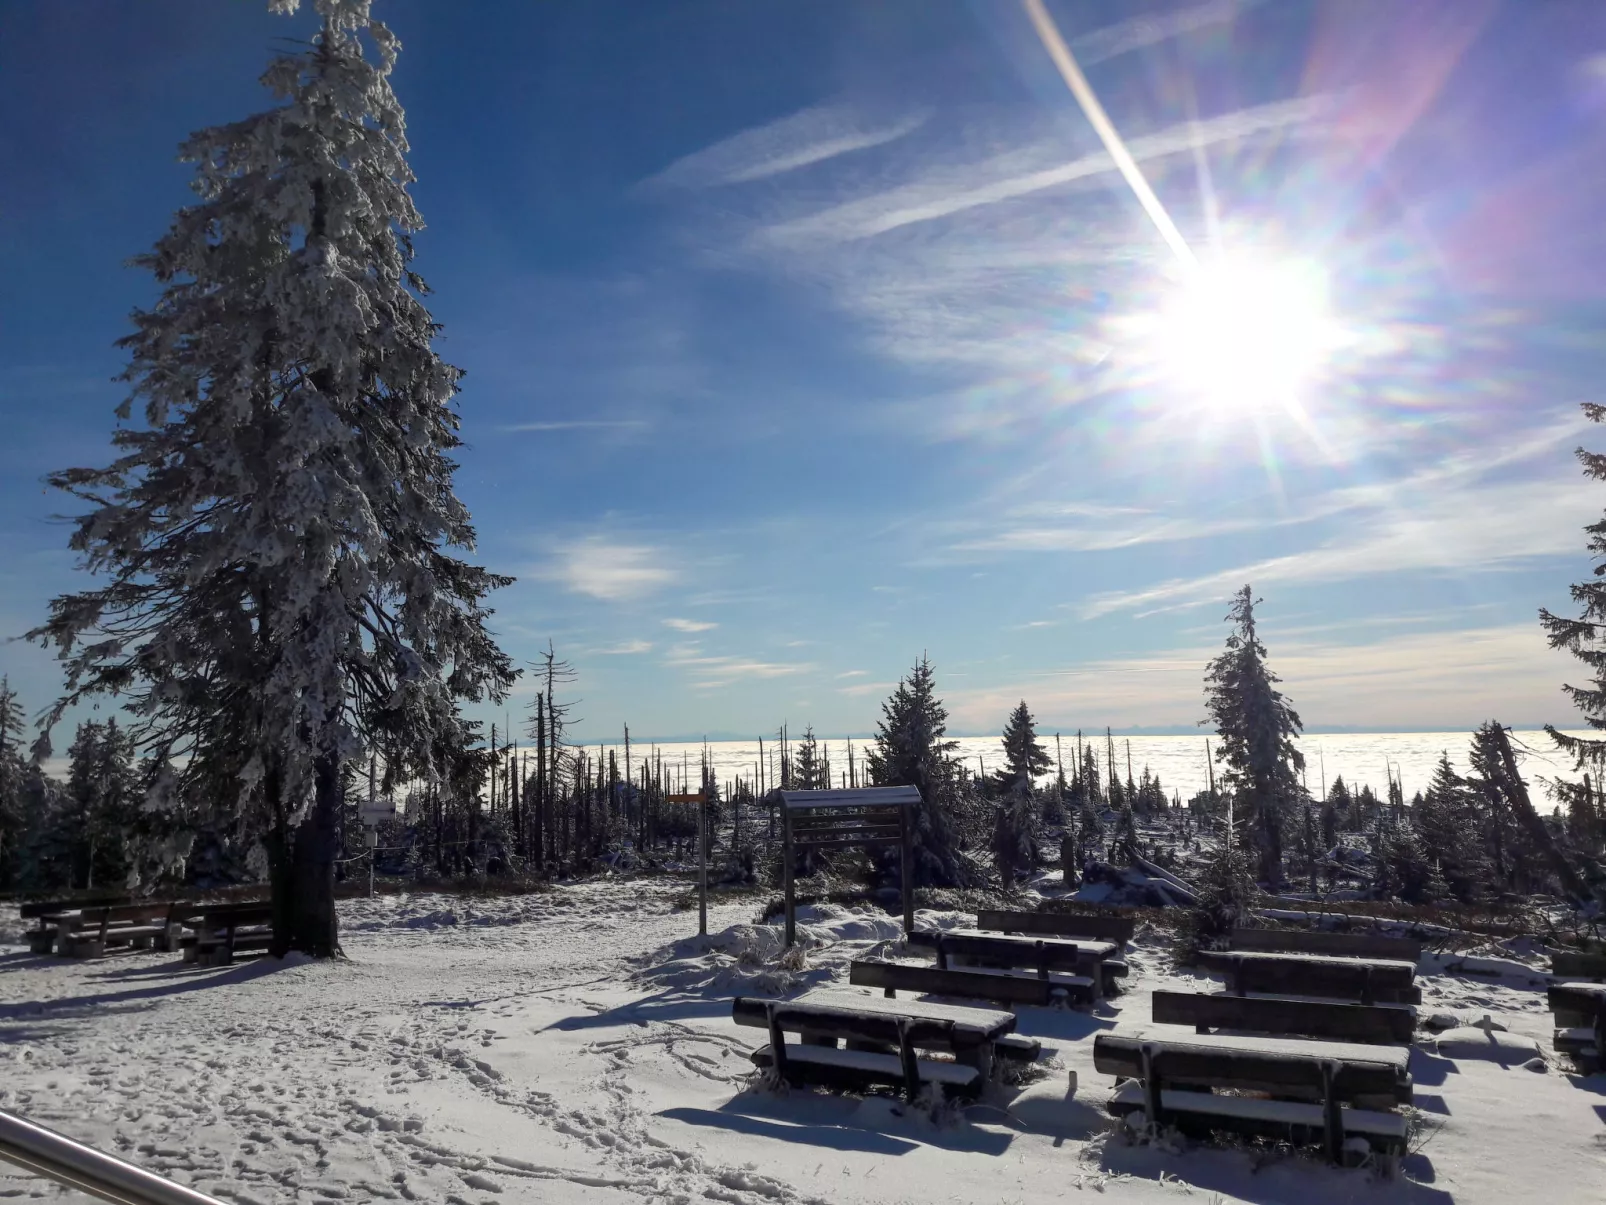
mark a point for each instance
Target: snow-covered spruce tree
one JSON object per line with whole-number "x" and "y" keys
{"x": 1257, "y": 727}
{"x": 12, "y": 773}
{"x": 1025, "y": 759}
{"x": 808, "y": 769}
{"x": 911, "y": 750}
{"x": 1585, "y": 638}
{"x": 275, "y": 545}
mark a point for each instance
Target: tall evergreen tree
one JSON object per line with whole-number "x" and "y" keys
{"x": 1025, "y": 759}
{"x": 276, "y": 545}
{"x": 1585, "y": 638}
{"x": 808, "y": 768}
{"x": 1257, "y": 727}
{"x": 911, "y": 749}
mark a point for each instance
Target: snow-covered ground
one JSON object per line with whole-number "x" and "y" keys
{"x": 577, "y": 1046}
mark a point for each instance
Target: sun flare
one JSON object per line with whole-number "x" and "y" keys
{"x": 1246, "y": 334}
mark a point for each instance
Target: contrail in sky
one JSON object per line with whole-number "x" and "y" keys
{"x": 1100, "y": 121}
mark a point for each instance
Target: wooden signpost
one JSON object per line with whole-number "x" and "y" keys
{"x": 701, "y": 799}
{"x": 858, "y": 818}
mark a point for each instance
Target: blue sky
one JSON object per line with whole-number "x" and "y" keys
{"x": 803, "y": 337}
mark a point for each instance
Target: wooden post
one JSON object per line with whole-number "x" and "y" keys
{"x": 1332, "y": 1115}
{"x": 702, "y": 866}
{"x": 906, "y": 867}
{"x": 786, "y": 874}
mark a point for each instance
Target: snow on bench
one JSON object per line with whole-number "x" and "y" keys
{"x": 1316, "y": 941}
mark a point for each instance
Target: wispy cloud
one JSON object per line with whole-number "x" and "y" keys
{"x": 578, "y": 424}
{"x": 690, "y": 625}
{"x": 854, "y": 673}
{"x": 940, "y": 193}
{"x": 1139, "y": 33}
{"x": 709, "y": 670}
{"x": 1465, "y": 531}
{"x": 625, "y": 648}
{"x": 1399, "y": 681}
{"x": 860, "y": 689}
{"x": 601, "y": 568}
{"x": 802, "y": 139}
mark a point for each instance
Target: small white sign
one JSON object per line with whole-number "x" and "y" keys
{"x": 373, "y": 811}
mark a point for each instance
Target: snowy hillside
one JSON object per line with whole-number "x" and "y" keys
{"x": 577, "y": 1046}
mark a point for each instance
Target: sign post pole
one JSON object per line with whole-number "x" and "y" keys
{"x": 702, "y": 866}
{"x": 700, "y": 799}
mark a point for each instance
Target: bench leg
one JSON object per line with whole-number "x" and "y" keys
{"x": 1332, "y": 1116}
{"x": 911, "y": 1065}
{"x": 890, "y": 993}
{"x": 777, "y": 1047}
{"x": 1151, "y": 1088}
{"x": 41, "y": 942}
{"x": 980, "y": 1057}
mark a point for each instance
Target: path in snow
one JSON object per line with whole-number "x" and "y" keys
{"x": 577, "y": 1046}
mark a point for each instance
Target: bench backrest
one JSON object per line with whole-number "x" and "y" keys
{"x": 218, "y": 913}
{"x": 1577, "y": 1002}
{"x": 1276, "y": 1071}
{"x": 233, "y": 916}
{"x": 1058, "y": 924}
{"x": 1299, "y": 1018}
{"x": 1575, "y": 964}
{"x": 1317, "y": 941}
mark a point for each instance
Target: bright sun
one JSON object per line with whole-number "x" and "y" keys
{"x": 1247, "y": 334}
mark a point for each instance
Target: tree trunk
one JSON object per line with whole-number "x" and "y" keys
{"x": 281, "y": 887}
{"x": 315, "y": 929}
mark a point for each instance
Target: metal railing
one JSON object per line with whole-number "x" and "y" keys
{"x": 57, "y": 1157}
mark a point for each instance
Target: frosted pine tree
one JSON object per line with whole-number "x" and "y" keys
{"x": 276, "y": 545}
{"x": 1257, "y": 727}
{"x": 808, "y": 767}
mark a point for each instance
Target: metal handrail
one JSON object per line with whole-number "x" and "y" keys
{"x": 57, "y": 1157}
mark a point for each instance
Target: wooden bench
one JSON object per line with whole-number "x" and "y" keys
{"x": 1067, "y": 963}
{"x": 1362, "y": 980}
{"x": 1317, "y": 941}
{"x": 1580, "y": 1013}
{"x": 224, "y": 930}
{"x": 1118, "y": 929}
{"x": 1576, "y": 964}
{"x": 1377, "y": 1023}
{"x": 95, "y": 930}
{"x": 1312, "y": 1092}
{"x": 883, "y": 1040}
{"x": 50, "y": 913}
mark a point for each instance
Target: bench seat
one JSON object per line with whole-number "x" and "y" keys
{"x": 1371, "y": 1123}
{"x": 832, "y": 1066}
